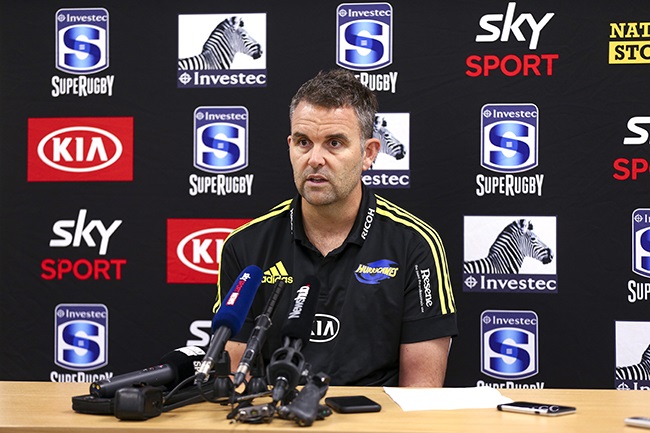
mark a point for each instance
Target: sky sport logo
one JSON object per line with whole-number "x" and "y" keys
{"x": 364, "y": 37}
{"x": 509, "y": 344}
{"x": 80, "y": 149}
{"x": 81, "y": 336}
{"x": 194, "y": 248}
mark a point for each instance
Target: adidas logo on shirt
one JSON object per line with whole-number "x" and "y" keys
{"x": 275, "y": 273}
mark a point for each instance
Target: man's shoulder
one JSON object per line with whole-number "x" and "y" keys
{"x": 266, "y": 221}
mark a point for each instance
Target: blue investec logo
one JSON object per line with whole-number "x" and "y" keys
{"x": 509, "y": 344}
{"x": 509, "y": 137}
{"x": 220, "y": 139}
{"x": 641, "y": 242}
{"x": 82, "y": 40}
{"x": 364, "y": 36}
{"x": 81, "y": 336}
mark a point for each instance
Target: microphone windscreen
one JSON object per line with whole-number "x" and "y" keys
{"x": 238, "y": 301}
{"x": 182, "y": 362}
{"x": 302, "y": 310}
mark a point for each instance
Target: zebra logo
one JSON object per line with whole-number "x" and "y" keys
{"x": 226, "y": 40}
{"x": 632, "y": 355}
{"x": 390, "y": 145}
{"x": 391, "y": 167}
{"x": 207, "y": 53}
{"x": 514, "y": 249}
{"x": 639, "y": 371}
{"x": 516, "y": 242}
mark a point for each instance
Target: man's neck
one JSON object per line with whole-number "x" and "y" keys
{"x": 327, "y": 227}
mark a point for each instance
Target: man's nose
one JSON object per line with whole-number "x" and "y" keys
{"x": 317, "y": 156}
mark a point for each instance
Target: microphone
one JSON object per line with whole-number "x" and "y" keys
{"x": 230, "y": 317}
{"x": 174, "y": 367}
{"x": 258, "y": 335}
{"x": 287, "y": 363}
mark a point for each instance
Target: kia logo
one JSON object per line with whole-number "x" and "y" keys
{"x": 202, "y": 248}
{"x": 80, "y": 149}
{"x": 325, "y": 328}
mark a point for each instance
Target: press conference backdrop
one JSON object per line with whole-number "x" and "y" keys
{"x": 128, "y": 153}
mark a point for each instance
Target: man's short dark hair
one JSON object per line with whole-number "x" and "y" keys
{"x": 339, "y": 88}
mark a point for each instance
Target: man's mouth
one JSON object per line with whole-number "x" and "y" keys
{"x": 316, "y": 179}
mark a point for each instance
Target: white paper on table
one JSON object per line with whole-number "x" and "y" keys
{"x": 479, "y": 397}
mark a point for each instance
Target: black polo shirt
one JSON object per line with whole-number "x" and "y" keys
{"x": 386, "y": 285}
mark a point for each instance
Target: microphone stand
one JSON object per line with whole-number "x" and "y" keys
{"x": 257, "y": 383}
{"x": 223, "y": 386}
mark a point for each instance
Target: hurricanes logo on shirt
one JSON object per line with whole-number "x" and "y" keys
{"x": 376, "y": 272}
{"x": 276, "y": 273}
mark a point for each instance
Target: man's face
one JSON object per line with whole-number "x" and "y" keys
{"x": 326, "y": 153}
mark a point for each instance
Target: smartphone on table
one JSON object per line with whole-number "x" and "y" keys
{"x": 536, "y": 408}
{"x": 638, "y": 421}
{"x": 352, "y": 404}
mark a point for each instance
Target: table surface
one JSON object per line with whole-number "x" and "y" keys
{"x": 47, "y": 407}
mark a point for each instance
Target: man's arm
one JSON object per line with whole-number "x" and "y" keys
{"x": 235, "y": 351}
{"x": 424, "y": 363}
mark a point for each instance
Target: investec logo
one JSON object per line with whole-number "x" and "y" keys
{"x": 194, "y": 248}
{"x": 81, "y": 336}
{"x": 510, "y": 254}
{"x": 364, "y": 42}
{"x": 82, "y": 149}
{"x": 499, "y": 27}
{"x": 221, "y": 146}
{"x": 222, "y": 50}
{"x": 509, "y": 144}
{"x": 629, "y": 43}
{"x": 391, "y": 168}
{"x": 638, "y": 290}
{"x": 509, "y": 344}
{"x": 82, "y": 48}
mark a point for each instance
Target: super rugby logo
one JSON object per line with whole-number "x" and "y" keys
{"x": 194, "y": 248}
{"x": 376, "y": 272}
{"x": 364, "y": 37}
{"x": 80, "y": 149}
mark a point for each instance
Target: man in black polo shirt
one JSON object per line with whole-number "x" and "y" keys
{"x": 386, "y": 310}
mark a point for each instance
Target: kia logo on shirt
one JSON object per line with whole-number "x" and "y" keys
{"x": 194, "y": 248}
{"x": 82, "y": 149}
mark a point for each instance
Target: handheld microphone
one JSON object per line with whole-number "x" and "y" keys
{"x": 174, "y": 367}
{"x": 258, "y": 335}
{"x": 230, "y": 317}
{"x": 287, "y": 363}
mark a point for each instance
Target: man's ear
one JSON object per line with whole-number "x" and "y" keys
{"x": 371, "y": 147}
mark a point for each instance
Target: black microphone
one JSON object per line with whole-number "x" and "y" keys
{"x": 230, "y": 317}
{"x": 287, "y": 363}
{"x": 258, "y": 335}
{"x": 174, "y": 367}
